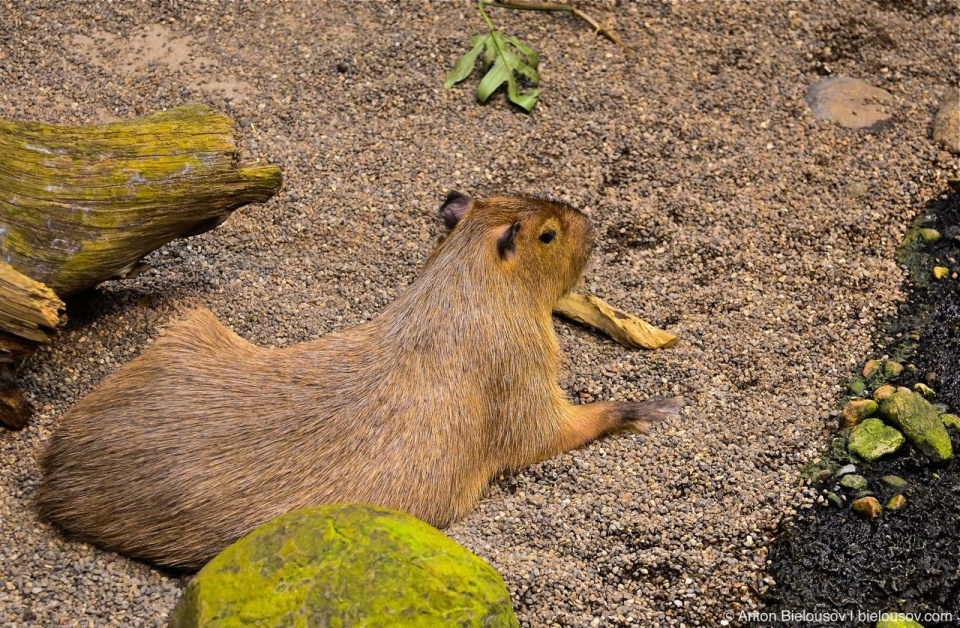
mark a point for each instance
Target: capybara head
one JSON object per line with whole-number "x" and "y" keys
{"x": 531, "y": 241}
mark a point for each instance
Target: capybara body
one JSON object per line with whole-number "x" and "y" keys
{"x": 205, "y": 436}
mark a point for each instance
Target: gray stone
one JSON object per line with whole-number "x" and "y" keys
{"x": 845, "y": 469}
{"x": 946, "y": 126}
{"x": 849, "y": 102}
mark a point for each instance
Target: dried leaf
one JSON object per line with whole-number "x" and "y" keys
{"x": 625, "y": 328}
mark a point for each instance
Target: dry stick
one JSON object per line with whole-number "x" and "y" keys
{"x": 625, "y": 328}
{"x": 533, "y": 5}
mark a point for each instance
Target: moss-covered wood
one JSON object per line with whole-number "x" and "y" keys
{"x": 80, "y": 205}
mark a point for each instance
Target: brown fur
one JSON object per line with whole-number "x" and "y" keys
{"x": 205, "y": 436}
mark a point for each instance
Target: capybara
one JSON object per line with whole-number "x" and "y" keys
{"x": 205, "y": 436}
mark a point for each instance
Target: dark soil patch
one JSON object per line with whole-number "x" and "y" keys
{"x": 828, "y": 560}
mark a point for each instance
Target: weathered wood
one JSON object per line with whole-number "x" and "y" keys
{"x": 625, "y": 328}
{"x": 80, "y": 205}
{"x": 30, "y": 313}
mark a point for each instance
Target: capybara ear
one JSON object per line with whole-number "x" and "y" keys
{"x": 505, "y": 241}
{"x": 453, "y": 208}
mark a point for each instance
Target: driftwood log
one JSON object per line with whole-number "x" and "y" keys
{"x": 80, "y": 205}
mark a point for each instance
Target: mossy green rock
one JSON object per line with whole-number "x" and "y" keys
{"x": 895, "y": 482}
{"x": 345, "y": 565}
{"x": 897, "y": 502}
{"x": 924, "y": 390}
{"x": 872, "y": 439}
{"x": 891, "y": 369}
{"x": 950, "y": 420}
{"x": 853, "y": 482}
{"x": 857, "y": 386}
{"x": 919, "y": 422}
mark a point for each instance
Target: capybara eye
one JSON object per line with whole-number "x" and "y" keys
{"x": 547, "y": 236}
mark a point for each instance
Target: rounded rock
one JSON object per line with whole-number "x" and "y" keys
{"x": 895, "y": 482}
{"x": 883, "y": 392}
{"x": 950, "y": 420}
{"x": 896, "y": 502}
{"x": 857, "y": 410}
{"x": 924, "y": 390}
{"x": 867, "y": 507}
{"x": 849, "y": 102}
{"x": 892, "y": 369}
{"x": 872, "y": 439}
{"x": 946, "y": 126}
{"x": 853, "y": 482}
{"x": 920, "y": 422}
{"x": 354, "y": 564}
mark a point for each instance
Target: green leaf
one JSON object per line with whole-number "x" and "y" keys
{"x": 465, "y": 65}
{"x": 500, "y": 62}
{"x": 525, "y": 100}
{"x": 532, "y": 58}
{"x": 531, "y": 75}
{"x": 493, "y": 80}
{"x": 494, "y": 41}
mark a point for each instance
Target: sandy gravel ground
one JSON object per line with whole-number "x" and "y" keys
{"x": 763, "y": 237}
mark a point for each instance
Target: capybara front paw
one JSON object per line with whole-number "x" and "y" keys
{"x": 641, "y": 415}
